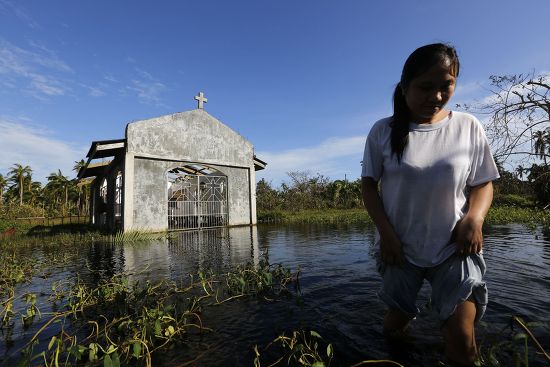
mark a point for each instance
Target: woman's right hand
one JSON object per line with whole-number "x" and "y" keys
{"x": 391, "y": 250}
{"x": 390, "y": 246}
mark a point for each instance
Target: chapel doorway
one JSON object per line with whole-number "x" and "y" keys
{"x": 197, "y": 197}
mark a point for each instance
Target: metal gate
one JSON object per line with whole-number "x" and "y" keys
{"x": 196, "y": 201}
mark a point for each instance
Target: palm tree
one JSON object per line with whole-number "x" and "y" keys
{"x": 520, "y": 170}
{"x": 542, "y": 144}
{"x": 18, "y": 174}
{"x": 35, "y": 192}
{"x": 59, "y": 185}
{"x": 3, "y": 184}
{"x": 78, "y": 165}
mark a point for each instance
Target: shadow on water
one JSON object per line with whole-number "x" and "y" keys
{"x": 339, "y": 285}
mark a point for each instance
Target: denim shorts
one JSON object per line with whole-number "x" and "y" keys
{"x": 453, "y": 282}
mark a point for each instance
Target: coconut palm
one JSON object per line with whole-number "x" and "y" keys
{"x": 35, "y": 192}
{"x": 17, "y": 176}
{"x": 3, "y": 184}
{"x": 541, "y": 144}
{"x": 59, "y": 185}
{"x": 78, "y": 165}
{"x": 520, "y": 170}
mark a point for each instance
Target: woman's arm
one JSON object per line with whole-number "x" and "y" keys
{"x": 469, "y": 236}
{"x": 390, "y": 245}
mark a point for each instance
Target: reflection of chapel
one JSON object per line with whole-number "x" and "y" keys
{"x": 186, "y": 170}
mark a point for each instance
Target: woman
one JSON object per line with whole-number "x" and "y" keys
{"x": 426, "y": 180}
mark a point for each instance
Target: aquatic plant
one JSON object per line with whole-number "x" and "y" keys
{"x": 137, "y": 236}
{"x": 308, "y": 349}
{"x": 122, "y": 322}
{"x": 511, "y": 345}
{"x": 14, "y": 270}
{"x": 248, "y": 279}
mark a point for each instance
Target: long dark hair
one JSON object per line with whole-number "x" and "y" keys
{"x": 417, "y": 63}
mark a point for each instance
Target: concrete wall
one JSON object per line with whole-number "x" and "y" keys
{"x": 160, "y": 144}
{"x": 192, "y": 136}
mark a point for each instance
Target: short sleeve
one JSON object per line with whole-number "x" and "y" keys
{"x": 483, "y": 168}
{"x": 372, "y": 157}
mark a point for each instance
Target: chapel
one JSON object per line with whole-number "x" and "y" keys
{"x": 186, "y": 170}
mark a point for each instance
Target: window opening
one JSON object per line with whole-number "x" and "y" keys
{"x": 103, "y": 196}
{"x": 118, "y": 195}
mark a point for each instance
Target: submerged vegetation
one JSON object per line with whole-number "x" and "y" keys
{"x": 511, "y": 345}
{"x": 123, "y": 321}
{"x": 120, "y": 320}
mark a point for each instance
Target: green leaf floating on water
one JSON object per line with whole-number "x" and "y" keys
{"x": 158, "y": 328}
{"x": 115, "y": 359}
{"x": 269, "y": 278}
{"x": 137, "y": 349}
{"x": 315, "y": 334}
{"x": 92, "y": 353}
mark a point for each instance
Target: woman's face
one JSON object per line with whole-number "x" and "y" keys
{"x": 428, "y": 93}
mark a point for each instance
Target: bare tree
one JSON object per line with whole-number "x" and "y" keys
{"x": 519, "y": 116}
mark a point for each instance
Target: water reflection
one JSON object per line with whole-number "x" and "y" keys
{"x": 106, "y": 259}
{"x": 188, "y": 252}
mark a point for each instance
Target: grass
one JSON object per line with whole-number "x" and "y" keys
{"x": 328, "y": 216}
{"x": 496, "y": 215}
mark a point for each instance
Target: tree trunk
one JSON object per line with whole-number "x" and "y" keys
{"x": 21, "y": 191}
{"x": 66, "y": 197}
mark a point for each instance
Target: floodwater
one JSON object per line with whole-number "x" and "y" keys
{"x": 338, "y": 282}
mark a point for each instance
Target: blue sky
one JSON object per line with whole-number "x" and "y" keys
{"x": 302, "y": 80}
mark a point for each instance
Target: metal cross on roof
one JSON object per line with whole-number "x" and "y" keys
{"x": 200, "y": 98}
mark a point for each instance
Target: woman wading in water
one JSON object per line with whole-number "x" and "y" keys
{"x": 426, "y": 180}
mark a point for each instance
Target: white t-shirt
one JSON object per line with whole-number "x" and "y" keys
{"x": 425, "y": 195}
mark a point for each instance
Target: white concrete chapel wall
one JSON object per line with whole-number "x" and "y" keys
{"x": 160, "y": 144}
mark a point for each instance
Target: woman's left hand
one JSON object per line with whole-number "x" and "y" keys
{"x": 469, "y": 236}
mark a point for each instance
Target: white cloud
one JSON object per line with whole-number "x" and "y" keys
{"x": 9, "y": 7}
{"x": 34, "y": 147}
{"x": 334, "y": 157}
{"x": 96, "y": 92}
{"x": 45, "y": 85}
{"x": 46, "y": 57}
{"x": 468, "y": 91}
{"x": 147, "y": 88}
{"x": 33, "y": 71}
{"x": 110, "y": 78}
